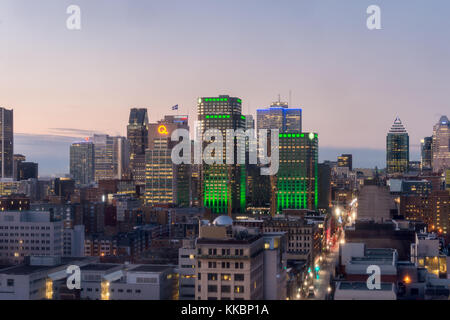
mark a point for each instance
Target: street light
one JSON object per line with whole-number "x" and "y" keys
{"x": 338, "y": 211}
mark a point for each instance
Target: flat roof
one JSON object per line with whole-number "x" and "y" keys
{"x": 99, "y": 266}
{"x": 25, "y": 269}
{"x": 345, "y": 285}
{"x": 150, "y": 268}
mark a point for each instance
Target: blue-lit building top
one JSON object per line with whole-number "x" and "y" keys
{"x": 280, "y": 116}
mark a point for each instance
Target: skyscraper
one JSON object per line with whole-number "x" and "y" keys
{"x": 223, "y": 185}
{"x": 441, "y": 145}
{"x": 165, "y": 182}
{"x": 6, "y": 142}
{"x": 426, "y": 148}
{"x": 82, "y": 162}
{"x": 137, "y": 134}
{"x": 345, "y": 160}
{"x": 280, "y": 116}
{"x": 397, "y": 148}
{"x": 297, "y": 186}
{"x": 111, "y": 156}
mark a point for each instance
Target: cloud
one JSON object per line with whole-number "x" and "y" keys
{"x": 74, "y": 132}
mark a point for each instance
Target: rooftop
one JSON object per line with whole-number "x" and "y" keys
{"x": 99, "y": 266}
{"x": 362, "y": 286}
{"x": 149, "y": 268}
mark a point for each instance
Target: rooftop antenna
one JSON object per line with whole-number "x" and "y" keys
{"x": 290, "y": 98}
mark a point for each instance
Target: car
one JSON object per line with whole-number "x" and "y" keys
{"x": 311, "y": 293}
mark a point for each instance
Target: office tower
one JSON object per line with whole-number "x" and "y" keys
{"x": 165, "y": 182}
{"x": 249, "y": 122}
{"x": 82, "y": 162}
{"x": 111, "y": 157}
{"x": 426, "y": 148}
{"x": 63, "y": 187}
{"x": 27, "y": 170}
{"x": 6, "y": 143}
{"x": 297, "y": 173}
{"x": 324, "y": 186}
{"x": 223, "y": 185}
{"x": 230, "y": 262}
{"x": 280, "y": 116}
{"x": 345, "y": 161}
{"x": 17, "y": 158}
{"x": 24, "y": 170}
{"x": 441, "y": 145}
{"x": 137, "y": 135}
{"x": 397, "y": 148}
{"x": 31, "y": 224}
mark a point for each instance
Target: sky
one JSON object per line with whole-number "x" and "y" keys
{"x": 351, "y": 82}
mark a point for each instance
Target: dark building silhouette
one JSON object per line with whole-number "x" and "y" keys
{"x": 27, "y": 170}
{"x": 137, "y": 135}
{"x": 6, "y": 143}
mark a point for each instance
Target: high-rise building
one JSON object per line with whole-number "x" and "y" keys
{"x": 223, "y": 185}
{"x": 166, "y": 182}
{"x": 397, "y": 148}
{"x": 280, "y": 116}
{"x": 249, "y": 122}
{"x": 230, "y": 263}
{"x": 82, "y": 162}
{"x": 137, "y": 134}
{"x": 111, "y": 157}
{"x": 324, "y": 186}
{"x": 345, "y": 161}
{"x": 31, "y": 223}
{"x": 297, "y": 175}
{"x": 6, "y": 142}
{"x": 426, "y": 148}
{"x": 441, "y": 145}
{"x": 17, "y": 159}
{"x": 27, "y": 170}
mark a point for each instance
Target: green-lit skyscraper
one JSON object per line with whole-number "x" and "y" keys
{"x": 397, "y": 148}
{"x": 297, "y": 174}
{"x": 223, "y": 185}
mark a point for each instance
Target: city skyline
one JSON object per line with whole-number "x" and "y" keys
{"x": 224, "y": 151}
{"x": 339, "y": 83}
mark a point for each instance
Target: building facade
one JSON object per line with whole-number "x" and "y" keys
{"x": 441, "y": 145}
{"x": 82, "y": 162}
{"x": 397, "y": 148}
{"x": 223, "y": 185}
{"x": 6, "y": 142}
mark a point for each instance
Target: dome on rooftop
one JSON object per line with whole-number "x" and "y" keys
{"x": 223, "y": 221}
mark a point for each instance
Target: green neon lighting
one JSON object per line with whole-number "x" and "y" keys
{"x": 243, "y": 199}
{"x": 217, "y": 116}
{"x": 297, "y": 186}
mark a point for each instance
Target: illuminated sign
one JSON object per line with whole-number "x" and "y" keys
{"x": 162, "y": 130}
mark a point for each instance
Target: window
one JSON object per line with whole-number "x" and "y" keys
{"x": 212, "y": 288}
{"x": 225, "y": 289}
{"x": 238, "y": 277}
{"x": 226, "y": 277}
{"x": 238, "y": 289}
{"x": 10, "y": 282}
{"x": 212, "y": 276}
